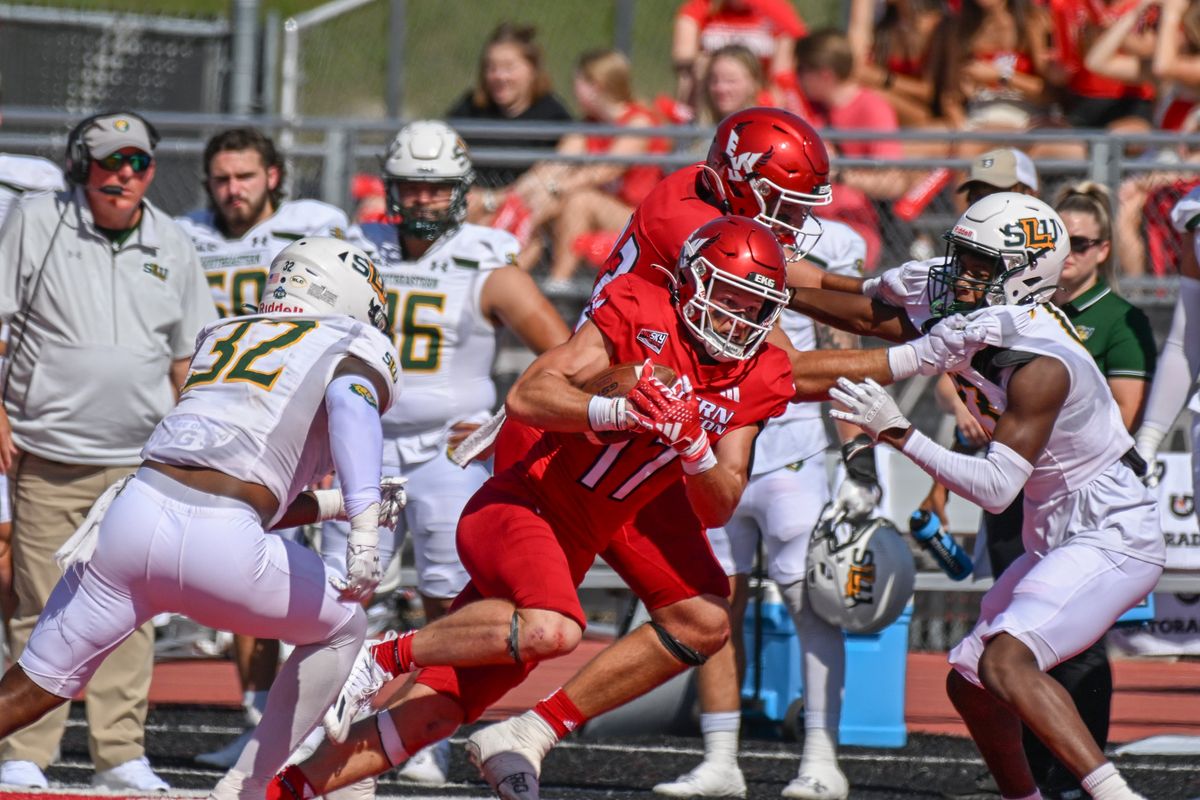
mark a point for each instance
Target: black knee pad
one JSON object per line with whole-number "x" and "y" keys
{"x": 676, "y": 648}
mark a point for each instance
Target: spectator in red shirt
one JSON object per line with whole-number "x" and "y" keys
{"x": 825, "y": 73}
{"x": 572, "y": 200}
{"x": 767, "y": 28}
{"x": 891, "y": 45}
{"x": 1159, "y": 41}
{"x": 1091, "y": 99}
{"x": 733, "y": 81}
{"x": 990, "y": 59}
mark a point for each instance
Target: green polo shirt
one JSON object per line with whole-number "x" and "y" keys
{"x": 1115, "y": 332}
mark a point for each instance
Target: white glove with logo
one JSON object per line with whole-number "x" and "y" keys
{"x": 1146, "y": 441}
{"x": 869, "y": 406}
{"x": 893, "y": 287}
{"x": 362, "y": 557}
{"x": 948, "y": 345}
{"x": 392, "y": 500}
{"x": 855, "y": 500}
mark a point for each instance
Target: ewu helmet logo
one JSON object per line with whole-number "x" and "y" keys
{"x": 743, "y": 165}
{"x": 121, "y": 125}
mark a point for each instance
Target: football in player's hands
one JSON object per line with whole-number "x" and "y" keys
{"x": 618, "y": 381}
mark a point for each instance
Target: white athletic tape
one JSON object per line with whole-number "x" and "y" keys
{"x": 479, "y": 440}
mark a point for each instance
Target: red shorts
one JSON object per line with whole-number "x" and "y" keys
{"x": 513, "y": 552}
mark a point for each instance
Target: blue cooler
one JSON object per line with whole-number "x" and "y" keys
{"x": 873, "y": 701}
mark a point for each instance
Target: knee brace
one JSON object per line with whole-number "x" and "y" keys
{"x": 676, "y": 648}
{"x": 514, "y": 637}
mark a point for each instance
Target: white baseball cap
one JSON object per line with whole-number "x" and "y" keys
{"x": 1003, "y": 169}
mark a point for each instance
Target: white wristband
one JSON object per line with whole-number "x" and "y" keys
{"x": 702, "y": 464}
{"x": 903, "y": 361}
{"x": 606, "y": 413}
{"x": 694, "y": 464}
{"x": 1148, "y": 440}
{"x": 329, "y": 504}
{"x": 870, "y": 287}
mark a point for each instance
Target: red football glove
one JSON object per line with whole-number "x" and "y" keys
{"x": 675, "y": 418}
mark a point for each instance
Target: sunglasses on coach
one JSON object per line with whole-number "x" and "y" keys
{"x": 1081, "y": 244}
{"x": 138, "y": 162}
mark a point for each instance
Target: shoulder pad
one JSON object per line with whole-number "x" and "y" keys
{"x": 31, "y": 174}
{"x": 481, "y": 248}
{"x": 840, "y": 250}
{"x": 310, "y": 218}
{"x": 991, "y": 361}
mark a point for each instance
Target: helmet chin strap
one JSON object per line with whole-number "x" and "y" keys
{"x": 713, "y": 179}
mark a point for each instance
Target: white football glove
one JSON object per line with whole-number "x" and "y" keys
{"x": 362, "y": 557}
{"x": 869, "y": 406}
{"x": 392, "y": 500}
{"x": 948, "y": 345}
{"x": 893, "y": 287}
{"x": 855, "y": 500}
{"x": 1146, "y": 441}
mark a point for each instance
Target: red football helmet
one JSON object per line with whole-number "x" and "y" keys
{"x": 771, "y": 165}
{"x": 730, "y": 283}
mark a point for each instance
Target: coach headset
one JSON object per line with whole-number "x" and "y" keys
{"x": 78, "y": 164}
{"x": 79, "y": 160}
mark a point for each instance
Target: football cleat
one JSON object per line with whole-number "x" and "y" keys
{"x": 354, "y": 700}
{"x": 708, "y": 779}
{"x": 509, "y": 755}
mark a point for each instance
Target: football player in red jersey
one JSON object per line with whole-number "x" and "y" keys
{"x": 764, "y": 163}
{"x": 529, "y": 535}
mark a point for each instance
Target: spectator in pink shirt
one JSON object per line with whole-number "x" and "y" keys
{"x": 837, "y": 101}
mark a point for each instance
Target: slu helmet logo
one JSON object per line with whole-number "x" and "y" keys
{"x": 742, "y": 165}
{"x": 1031, "y": 233}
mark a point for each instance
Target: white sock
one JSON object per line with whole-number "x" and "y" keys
{"x": 820, "y": 747}
{"x": 720, "y": 731}
{"x": 253, "y": 705}
{"x": 537, "y": 731}
{"x": 1105, "y": 783}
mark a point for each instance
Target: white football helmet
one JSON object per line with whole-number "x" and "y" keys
{"x": 1028, "y": 241}
{"x": 428, "y": 151}
{"x": 319, "y": 275}
{"x": 860, "y": 575}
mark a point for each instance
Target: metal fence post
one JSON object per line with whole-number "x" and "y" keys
{"x": 245, "y": 53}
{"x": 333, "y": 170}
{"x": 623, "y": 27}
{"x": 397, "y": 33}
{"x": 270, "y": 63}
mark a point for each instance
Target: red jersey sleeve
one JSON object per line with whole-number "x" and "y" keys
{"x": 695, "y": 9}
{"x": 614, "y": 309}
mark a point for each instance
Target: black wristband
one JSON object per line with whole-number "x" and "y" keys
{"x": 858, "y": 455}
